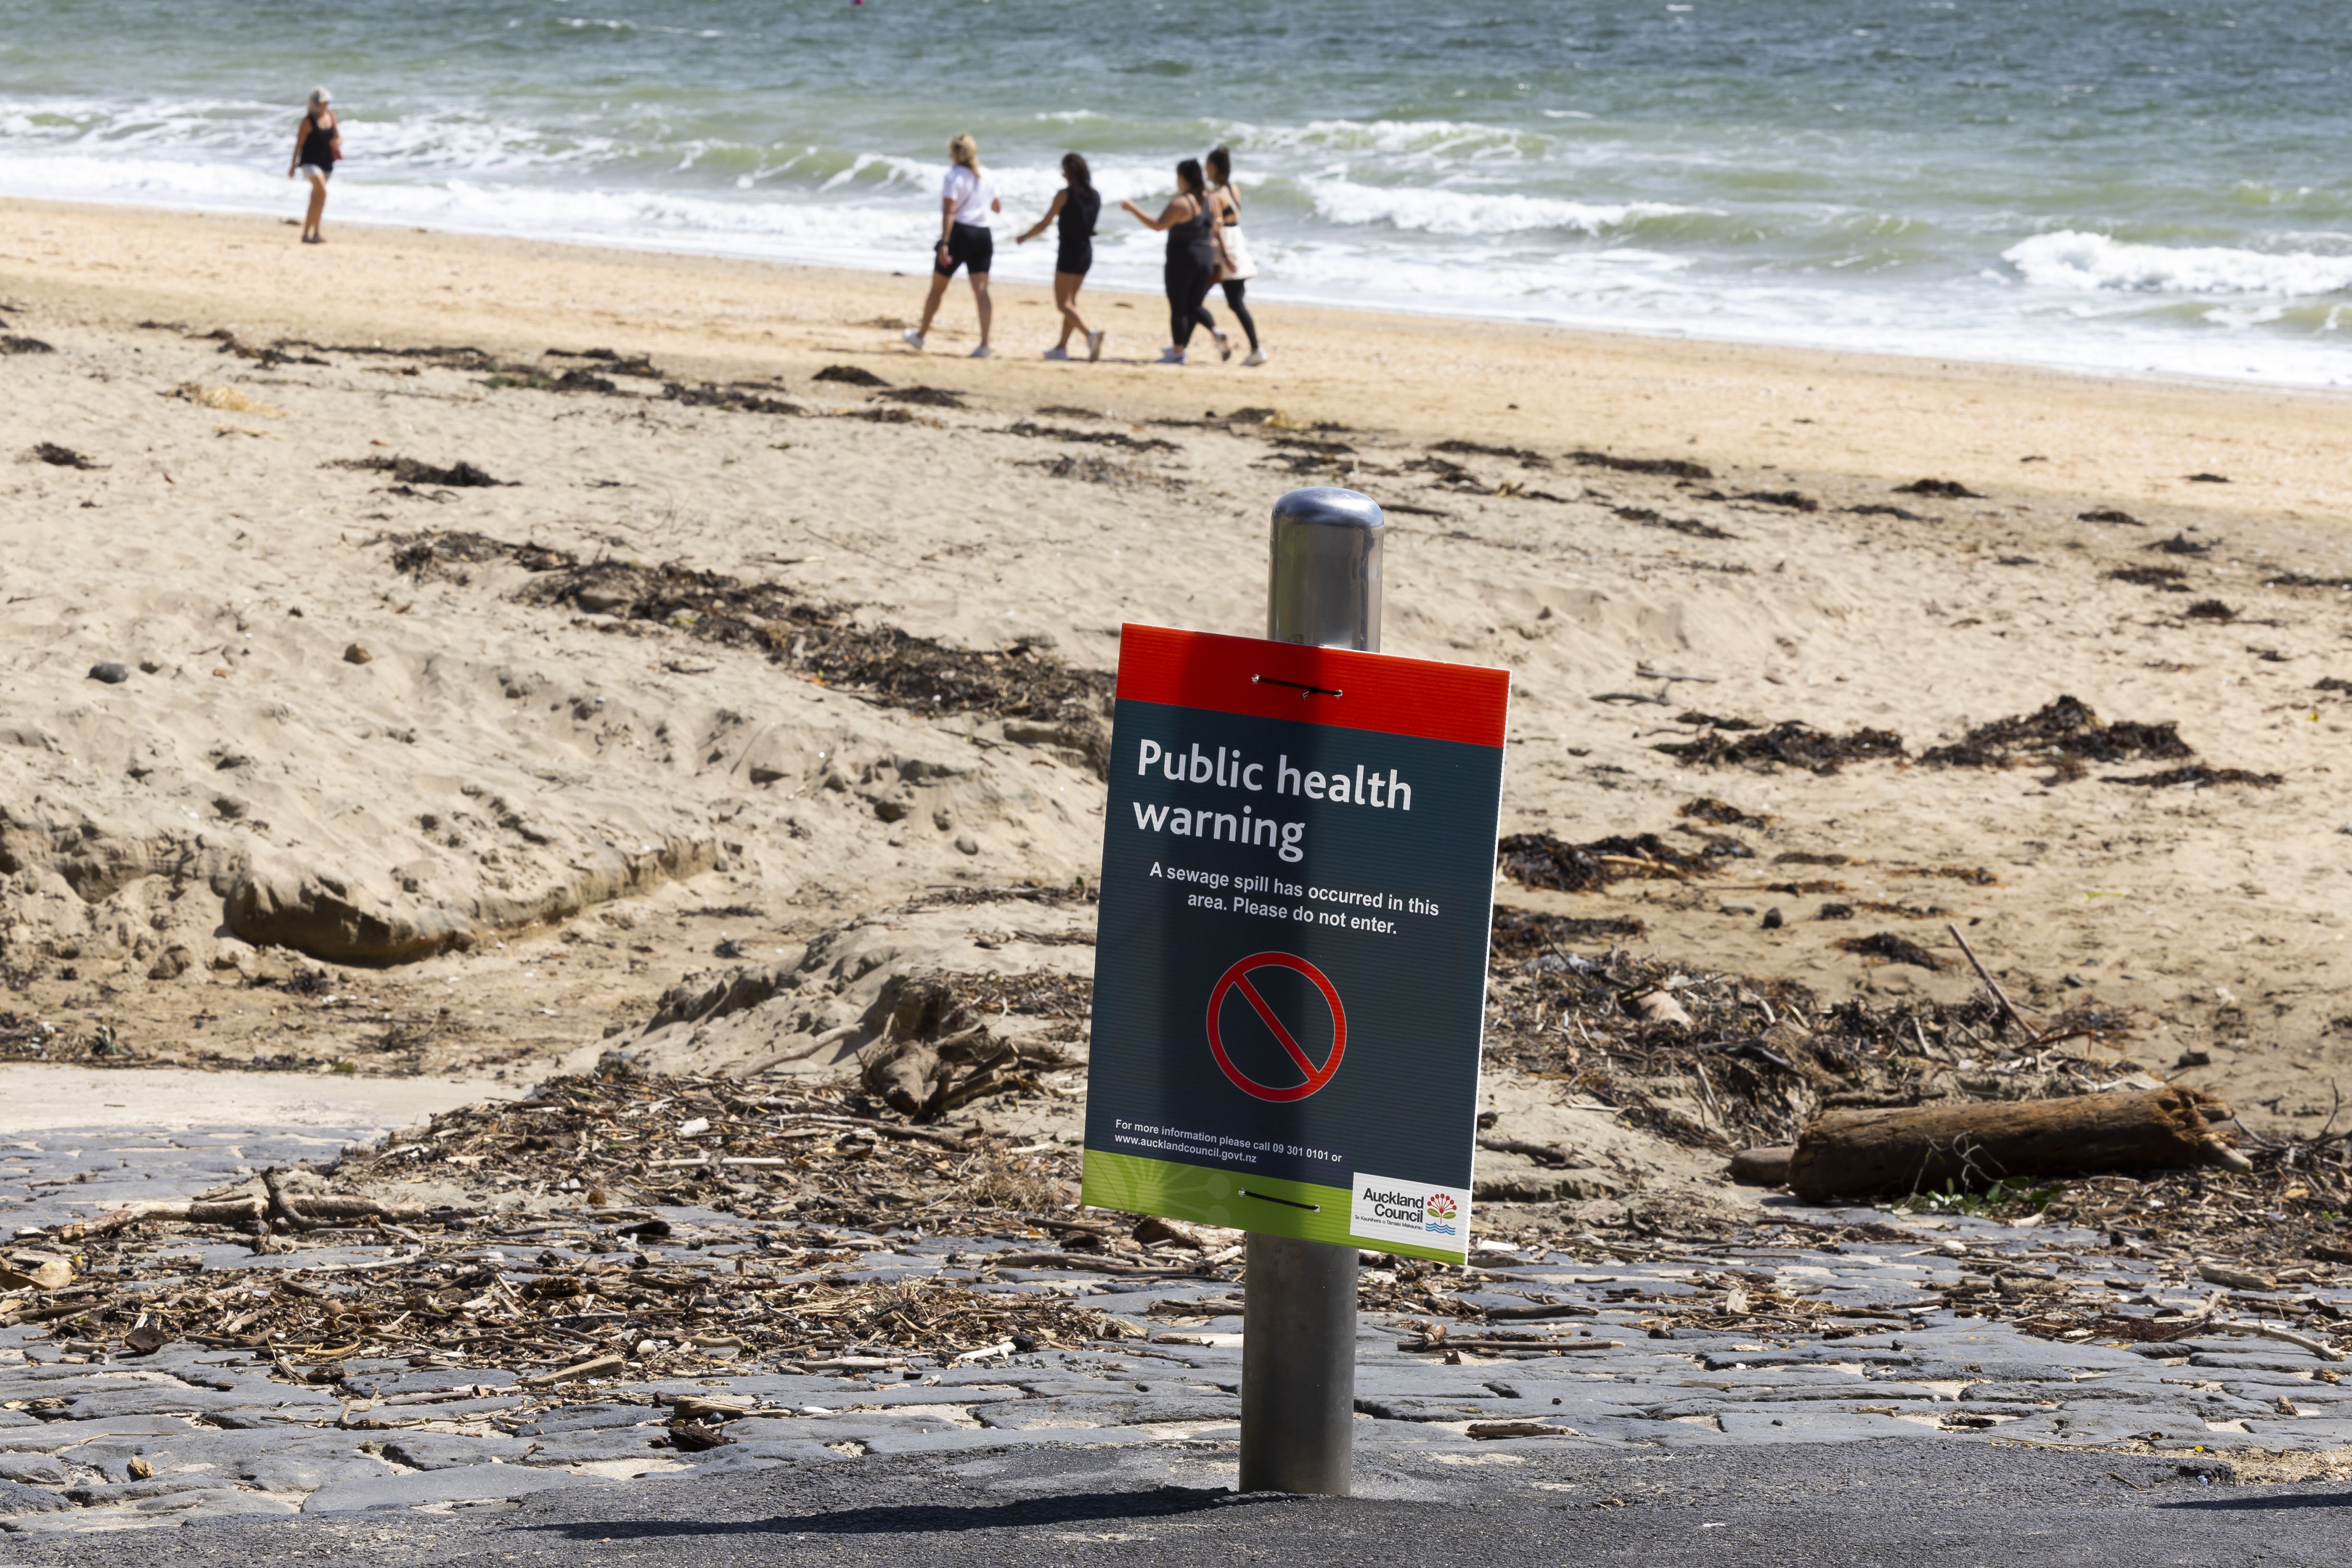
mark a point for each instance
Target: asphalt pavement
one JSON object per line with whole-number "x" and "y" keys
{"x": 1914, "y": 1503}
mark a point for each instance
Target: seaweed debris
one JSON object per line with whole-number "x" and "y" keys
{"x": 1975, "y": 876}
{"x": 1887, "y": 947}
{"x": 2166, "y": 579}
{"x": 1674, "y": 467}
{"x": 1879, "y": 509}
{"x": 434, "y": 554}
{"x": 410, "y": 471}
{"x": 1789, "y": 743}
{"x": 2181, "y": 545}
{"x": 600, "y": 1275}
{"x": 1792, "y": 500}
{"x": 2108, "y": 514}
{"x": 2063, "y": 731}
{"x": 23, "y": 345}
{"x": 1541, "y": 861}
{"x": 59, "y": 457}
{"x": 1520, "y": 934}
{"x": 1476, "y": 450}
{"x": 1689, "y": 525}
{"x": 849, "y": 375}
{"x": 818, "y": 639}
{"x": 2199, "y": 776}
{"x": 2297, "y": 580}
{"x": 1949, "y": 489}
{"x": 1760, "y": 1057}
{"x": 2210, "y": 610}
{"x": 736, "y": 397}
{"x": 611, "y": 363}
{"x": 925, "y": 397}
{"x": 1722, "y": 814}
{"x": 1102, "y": 471}
{"x": 1035, "y": 431}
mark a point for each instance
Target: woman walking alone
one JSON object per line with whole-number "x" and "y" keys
{"x": 1076, "y": 206}
{"x": 967, "y": 197}
{"x": 318, "y": 143}
{"x": 1192, "y": 254}
{"x": 1233, "y": 276}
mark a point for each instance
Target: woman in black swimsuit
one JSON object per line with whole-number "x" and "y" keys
{"x": 1192, "y": 253}
{"x": 318, "y": 143}
{"x": 1077, "y": 205}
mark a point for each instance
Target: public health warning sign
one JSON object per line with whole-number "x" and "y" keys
{"x": 1290, "y": 973}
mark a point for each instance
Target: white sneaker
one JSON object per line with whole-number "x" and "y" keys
{"x": 1094, "y": 344}
{"x": 1256, "y": 357}
{"x": 1172, "y": 356}
{"x": 983, "y": 352}
{"x": 1057, "y": 351}
{"x": 1225, "y": 345}
{"x": 914, "y": 336}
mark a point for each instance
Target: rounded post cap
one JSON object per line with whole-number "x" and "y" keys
{"x": 1329, "y": 506}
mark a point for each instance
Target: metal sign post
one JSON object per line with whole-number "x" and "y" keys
{"x": 1298, "y": 1315}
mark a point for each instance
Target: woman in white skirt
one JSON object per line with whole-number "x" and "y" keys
{"x": 1235, "y": 271}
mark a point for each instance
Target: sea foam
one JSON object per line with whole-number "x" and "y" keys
{"x": 2068, "y": 260}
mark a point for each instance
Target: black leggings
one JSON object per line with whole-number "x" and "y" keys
{"x": 1236, "y": 289}
{"x": 1188, "y": 275}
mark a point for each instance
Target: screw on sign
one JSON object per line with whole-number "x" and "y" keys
{"x": 1237, "y": 979}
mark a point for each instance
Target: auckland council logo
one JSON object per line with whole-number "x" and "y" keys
{"x": 1439, "y": 1206}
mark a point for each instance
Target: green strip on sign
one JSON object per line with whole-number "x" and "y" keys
{"x": 1267, "y": 1204}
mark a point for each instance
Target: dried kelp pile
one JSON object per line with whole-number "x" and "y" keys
{"x": 1035, "y": 431}
{"x": 1541, "y": 860}
{"x": 1790, "y": 743}
{"x": 1520, "y": 934}
{"x": 2064, "y": 734}
{"x": 815, "y": 638}
{"x": 412, "y": 471}
{"x": 1118, "y": 476}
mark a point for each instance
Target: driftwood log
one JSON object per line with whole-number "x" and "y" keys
{"x": 1853, "y": 1153}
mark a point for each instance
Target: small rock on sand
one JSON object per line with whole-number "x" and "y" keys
{"x": 358, "y": 654}
{"x": 112, "y": 673}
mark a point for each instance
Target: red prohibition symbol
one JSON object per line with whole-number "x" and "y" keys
{"x": 1237, "y": 979}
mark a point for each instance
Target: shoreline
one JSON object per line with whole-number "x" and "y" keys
{"x": 721, "y": 252}
{"x": 1805, "y": 413}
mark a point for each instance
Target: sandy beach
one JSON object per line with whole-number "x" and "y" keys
{"x": 392, "y": 777}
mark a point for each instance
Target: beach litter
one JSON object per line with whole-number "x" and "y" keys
{"x": 223, "y": 399}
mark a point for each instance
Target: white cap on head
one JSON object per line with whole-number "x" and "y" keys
{"x": 321, "y": 95}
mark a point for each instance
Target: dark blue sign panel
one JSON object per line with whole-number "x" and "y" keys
{"x": 1291, "y": 967}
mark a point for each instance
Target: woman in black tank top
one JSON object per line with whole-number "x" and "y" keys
{"x": 1192, "y": 264}
{"x": 1075, "y": 207}
{"x": 318, "y": 143}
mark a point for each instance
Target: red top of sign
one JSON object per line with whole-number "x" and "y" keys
{"x": 1339, "y": 687}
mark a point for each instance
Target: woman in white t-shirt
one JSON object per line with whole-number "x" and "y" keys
{"x": 966, "y": 199}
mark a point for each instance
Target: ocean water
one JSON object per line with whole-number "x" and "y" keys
{"x": 2160, "y": 188}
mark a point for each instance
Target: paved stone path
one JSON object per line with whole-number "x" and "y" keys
{"x": 89, "y": 1443}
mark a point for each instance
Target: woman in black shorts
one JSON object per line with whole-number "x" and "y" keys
{"x": 967, "y": 199}
{"x": 1076, "y": 206}
{"x": 1192, "y": 254}
{"x": 317, "y": 143}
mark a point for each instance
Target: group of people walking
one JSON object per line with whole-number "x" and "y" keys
{"x": 1205, "y": 249}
